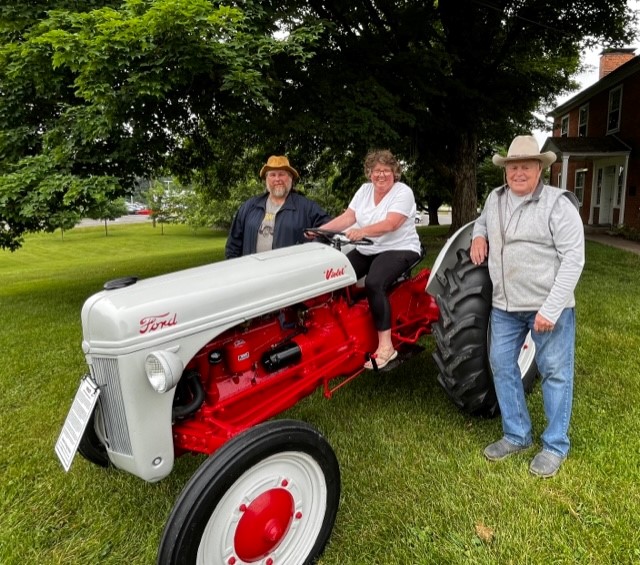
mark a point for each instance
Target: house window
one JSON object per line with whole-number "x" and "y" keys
{"x": 615, "y": 106}
{"x": 599, "y": 187}
{"x": 564, "y": 126}
{"x": 578, "y": 189}
{"x": 583, "y": 116}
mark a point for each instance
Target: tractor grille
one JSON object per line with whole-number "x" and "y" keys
{"x": 105, "y": 372}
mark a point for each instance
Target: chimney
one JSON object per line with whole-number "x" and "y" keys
{"x": 611, "y": 59}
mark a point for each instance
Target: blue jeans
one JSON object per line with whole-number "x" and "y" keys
{"x": 555, "y": 352}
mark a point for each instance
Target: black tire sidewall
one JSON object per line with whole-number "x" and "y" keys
{"x": 462, "y": 353}
{"x": 461, "y": 335}
{"x": 90, "y": 446}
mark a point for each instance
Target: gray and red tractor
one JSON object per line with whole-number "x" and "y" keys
{"x": 202, "y": 360}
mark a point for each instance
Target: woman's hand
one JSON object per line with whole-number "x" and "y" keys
{"x": 355, "y": 234}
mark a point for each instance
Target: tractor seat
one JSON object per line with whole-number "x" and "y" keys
{"x": 406, "y": 275}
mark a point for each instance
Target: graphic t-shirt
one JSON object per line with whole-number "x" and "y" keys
{"x": 265, "y": 233}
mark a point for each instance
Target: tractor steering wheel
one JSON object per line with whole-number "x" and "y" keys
{"x": 336, "y": 238}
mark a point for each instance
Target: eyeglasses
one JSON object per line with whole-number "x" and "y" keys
{"x": 381, "y": 172}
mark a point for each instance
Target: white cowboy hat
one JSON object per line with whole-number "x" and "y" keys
{"x": 522, "y": 148}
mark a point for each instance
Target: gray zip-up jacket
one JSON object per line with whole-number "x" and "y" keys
{"x": 535, "y": 257}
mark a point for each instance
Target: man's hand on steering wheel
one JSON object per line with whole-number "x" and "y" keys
{"x": 325, "y": 236}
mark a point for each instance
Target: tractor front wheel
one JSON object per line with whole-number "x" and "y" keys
{"x": 462, "y": 336}
{"x": 91, "y": 448}
{"x": 269, "y": 495}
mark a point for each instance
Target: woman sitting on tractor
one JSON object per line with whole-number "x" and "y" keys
{"x": 382, "y": 210}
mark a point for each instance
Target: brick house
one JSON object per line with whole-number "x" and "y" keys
{"x": 596, "y": 136}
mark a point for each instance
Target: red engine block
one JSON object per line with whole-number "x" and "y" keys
{"x": 259, "y": 369}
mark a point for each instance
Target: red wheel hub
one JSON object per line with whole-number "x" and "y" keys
{"x": 264, "y": 524}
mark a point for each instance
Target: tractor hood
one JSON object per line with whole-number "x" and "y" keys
{"x": 154, "y": 311}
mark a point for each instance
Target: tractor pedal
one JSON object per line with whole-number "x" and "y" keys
{"x": 405, "y": 352}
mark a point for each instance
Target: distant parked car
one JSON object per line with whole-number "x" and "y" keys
{"x": 144, "y": 212}
{"x": 134, "y": 207}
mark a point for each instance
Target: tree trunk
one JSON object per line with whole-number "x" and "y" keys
{"x": 464, "y": 157}
{"x": 434, "y": 203}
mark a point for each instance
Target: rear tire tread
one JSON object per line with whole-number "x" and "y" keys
{"x": 461, "y": 335}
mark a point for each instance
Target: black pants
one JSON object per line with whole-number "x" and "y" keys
{"x": 381, "y": 270}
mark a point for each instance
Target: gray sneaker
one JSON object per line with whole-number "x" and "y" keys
{"x": 502, "y": 449}
{"x": 546, "y": 464}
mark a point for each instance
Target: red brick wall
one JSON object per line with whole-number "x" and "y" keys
{"x": 630, "y": 134}
{"x": 597, "y": 127}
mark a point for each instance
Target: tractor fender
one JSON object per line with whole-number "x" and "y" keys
{"x": 448, "y": 257}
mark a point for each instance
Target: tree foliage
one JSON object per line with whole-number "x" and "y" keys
{"x": 107, "y": 210}
{"x": 94, "y": 93}
{"x": 440, "y": 83}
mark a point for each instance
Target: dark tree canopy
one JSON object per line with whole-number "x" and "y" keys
{"x": 440, "y": 83}
{"x": 93, "y": 94}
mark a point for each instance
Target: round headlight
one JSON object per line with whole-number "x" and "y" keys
{"x": 163, "y": 369}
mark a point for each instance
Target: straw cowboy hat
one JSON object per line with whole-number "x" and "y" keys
{"x": 278, "y": 162}
{"x": 522, "y": 148}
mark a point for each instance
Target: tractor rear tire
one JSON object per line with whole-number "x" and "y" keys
{"x": 269, "y": 495}
{"x": 462, "y": 336}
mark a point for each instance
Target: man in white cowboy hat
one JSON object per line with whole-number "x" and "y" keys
{"x": 533, "y": 237}
{"x": 276, "y": 218}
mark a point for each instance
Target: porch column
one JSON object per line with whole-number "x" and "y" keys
{"x": 624, "y": 190}
{"x": 565, "y": 170}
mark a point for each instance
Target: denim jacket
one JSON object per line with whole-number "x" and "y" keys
{"x": 296, "y": 214}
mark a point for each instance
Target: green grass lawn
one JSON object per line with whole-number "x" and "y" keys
{"x": 415, "y": 486}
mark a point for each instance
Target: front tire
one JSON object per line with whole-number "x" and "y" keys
{"x": 462, "y": 336}
{"x": 269, "y": 495}
{"x": 90, "y": 447}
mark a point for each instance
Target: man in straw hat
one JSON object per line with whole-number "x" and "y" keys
{"x": 534, "y": 239}
{"x": 276, "y": 218}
